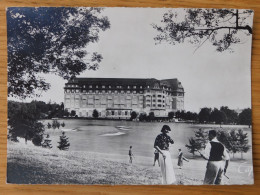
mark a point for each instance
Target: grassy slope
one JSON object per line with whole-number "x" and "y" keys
{"x": 35, "y": 165}
{"x": 28, "y": 164}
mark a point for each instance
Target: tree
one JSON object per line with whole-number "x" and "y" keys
{"x": 218, "y": 117}
{"x": 201, "y": 138}
{"x": 182, "y": 114}
{"x": 64, "y": 142}
{"x": 233, "y": 144}
{"x": 95, "y": 114}
{"x": 245, "y": 117}
{"x": 22, "y": 120}
{"x": 242, "y": 142}
{"x": 197, "y": 142}
{"x": 222, "y": 27}
{"x": 232, "y": 116}
{"x": 151, "y": 116}
{"x": 171, "y": 115}
{"x": 66, "y": 113}
{"x": 204, "y": 115}
{"x": 50, "y": 40}
{"x": 178, "y": 114}
{"x": 193, "y": 146}
{"x": 73, "y": 113}
{"x": 142, "y": 116}
{"x": 133, "y": 115}
{"x": 55, "y": 124}
{"x": 195, "y": 117}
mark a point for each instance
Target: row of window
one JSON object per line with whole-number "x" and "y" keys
{"x": 109, "y": 97}
{"x": 118, "y": 87}
{"x": 148, "y": 100}
{"x": 154, "y": 96}
{"x": 102, "y": 91}
{"x": 104, "y": 86}
{"x": 154, "y": 105}
{"x": 108, "y": 113}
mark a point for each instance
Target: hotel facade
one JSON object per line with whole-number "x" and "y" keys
{"x": 118, "y": 97}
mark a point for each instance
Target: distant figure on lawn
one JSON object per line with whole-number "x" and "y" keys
{"x": 181, "y": 158}
{"x": 156, "y": 157}
{"x": 161, "y": 144}
{"x": 215, "y": 152}
{"x": 130, "y": 153}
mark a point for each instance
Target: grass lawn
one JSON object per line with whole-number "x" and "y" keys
{"x": 28, "y": 164}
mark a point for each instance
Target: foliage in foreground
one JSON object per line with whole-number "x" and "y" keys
{"x": 234, "y": 140}
{"x": 223, "y": 28}
{"x": 45, "y": 40}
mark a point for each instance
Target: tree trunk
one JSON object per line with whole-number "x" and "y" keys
{"x": 241, "y": 155}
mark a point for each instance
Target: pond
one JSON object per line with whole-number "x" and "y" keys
{"x": 115, "y": 137}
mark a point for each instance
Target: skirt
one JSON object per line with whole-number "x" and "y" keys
{"x": 168, "y": 176}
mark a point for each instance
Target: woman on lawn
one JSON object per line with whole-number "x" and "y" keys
{"x": 161, "y": 144}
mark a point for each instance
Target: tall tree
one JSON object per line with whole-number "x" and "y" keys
{"x": 233, "y": 144}
{"x": 218, "y": 116}
{"x": 222, "y": 27}
{"x": 151, "y": 116}
{"x": 232, "y": 116}
{"x": 245, "y": 117}
{"x": 50, "y": 40}
{"x": 242, "y": 142}
{"x": 171, "y": 115}
{"x": 22, "y": 121}
{"x": 178, "y": 114}
{"x": 204, "y": 115}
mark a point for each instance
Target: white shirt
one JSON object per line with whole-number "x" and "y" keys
{"x": 208, "y": 149}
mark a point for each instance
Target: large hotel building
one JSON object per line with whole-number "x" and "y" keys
{"x": 118, "y": 97}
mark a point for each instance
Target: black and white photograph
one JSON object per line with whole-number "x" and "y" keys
{"x": 129, "y": 96}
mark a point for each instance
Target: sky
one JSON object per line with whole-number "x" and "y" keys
{"x": 210, "y": 79}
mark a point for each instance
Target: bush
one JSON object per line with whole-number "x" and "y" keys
{"x": 142, "y": 117}
{"x": 95, "y": 114}
{"x": 37, "y": 140}
{"x": 64, "y": 142}
{"x": 133, "y": 115}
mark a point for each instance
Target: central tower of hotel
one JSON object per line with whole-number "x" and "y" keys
{"x": 118, "y": 97}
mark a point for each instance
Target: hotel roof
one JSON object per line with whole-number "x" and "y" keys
{"x": 173, "y": 83}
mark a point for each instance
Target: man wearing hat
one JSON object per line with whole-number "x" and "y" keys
{"x": 215, "y": 153}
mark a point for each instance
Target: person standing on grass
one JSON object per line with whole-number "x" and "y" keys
{"x": 161, "y": 144}
{"x": 156, "y": 157}
{"x": 181, "y": 158}
{"x": 215, "y": 152}
{"x": 131, "y": 155}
